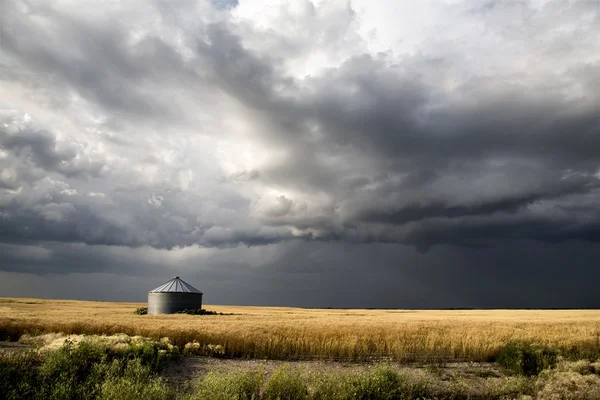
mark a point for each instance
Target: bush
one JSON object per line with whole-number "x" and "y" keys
{"x": 196, "y": 349}
{"x": 227, "y": 386}
{"x": 331, "y": 386}
{"x": 141, "y": 311}
{"x": 18, "y": 376}
{"x": 575, "y": 353}
{"x": 65, "y": 373}
{"x": 131, "y": 380}
{"x": 384, "y": 383}
{"x": 285, "y": 384}
{"x": 526, "y": 359}
{"x": 89, "y": 369}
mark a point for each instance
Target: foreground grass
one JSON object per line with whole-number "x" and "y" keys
{"x": 128, "y": 368}
{"x": 292, "y": 333}
{"x": 379, "y": 382}
{"x": 90, "y": 368}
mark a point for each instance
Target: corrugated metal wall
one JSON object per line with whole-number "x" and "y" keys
{"x": 171, "y": 302}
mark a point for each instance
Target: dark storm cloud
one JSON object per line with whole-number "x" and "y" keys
{"x": 419, "y": 149}
{"x": 507, "y": 204}
{"x": 41, "y": 144}
{"x": 94, "y": 59}
{"x": 387, "y": 117}
{"x": 40, "y": 149}
{"x": 318, "y": 274}
{"x": 55, "y": 215}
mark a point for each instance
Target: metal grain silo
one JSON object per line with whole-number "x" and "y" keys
{"x": 175, "y": 295}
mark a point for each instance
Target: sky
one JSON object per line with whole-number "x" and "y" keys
{"x": 339, "y": 153}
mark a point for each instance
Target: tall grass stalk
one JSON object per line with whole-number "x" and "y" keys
{"x": 297, "y": 334}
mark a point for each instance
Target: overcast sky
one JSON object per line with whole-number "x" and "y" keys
{"x": 324, "y": 154}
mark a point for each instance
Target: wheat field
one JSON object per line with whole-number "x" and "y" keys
{"x": 296, "y": 333}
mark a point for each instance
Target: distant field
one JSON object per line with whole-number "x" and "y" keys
{"x": 296, "y": 333}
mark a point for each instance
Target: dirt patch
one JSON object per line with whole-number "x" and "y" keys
{"x": 195, "y": 366}
{"x": 13, "y": 346}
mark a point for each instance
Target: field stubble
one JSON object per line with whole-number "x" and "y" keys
{"x": 327, "y": 334}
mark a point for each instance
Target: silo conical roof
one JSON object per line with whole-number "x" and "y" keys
{"x": 176, "y": 285}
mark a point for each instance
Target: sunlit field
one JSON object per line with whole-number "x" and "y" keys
{"x": 328, "y": 334}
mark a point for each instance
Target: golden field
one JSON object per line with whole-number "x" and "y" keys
{"x": 295, "y": 333}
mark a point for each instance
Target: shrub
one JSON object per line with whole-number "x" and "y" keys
{"x": 18, "y": 376}
{"x": 384, "y": 383}
{"x": 65, "y": 373}
{"x": 285, "y": 384}
{"x": 526, "y": 359}
{"x": 227, "y": 386}
{"x": 331, "y": 386}
{"x": 153, "y": 353}
{"x": 131, "y": 380}
{"x": 575, "y": 353}
{"x": 196, "y": 349}
{"x": 141, "y": 311}
{"x": 93, "y": 368}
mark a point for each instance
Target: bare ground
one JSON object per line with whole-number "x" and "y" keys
{"x": 12, "y": 346}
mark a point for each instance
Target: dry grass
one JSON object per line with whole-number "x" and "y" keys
{"x": 293, "y": 333}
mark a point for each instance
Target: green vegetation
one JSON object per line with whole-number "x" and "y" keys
{"x": 286, "y": 383}
{"x": 199, "y": 311}
{"x": 381, "y": 382}
{"x": 527, "y": 359}
{"x": 385, "y": 383}
{"x": 242, "y": 385}
{"x": 123, "y": 367}
{"x": 91, "y": 369}
{"x": 196, "y": 349}
{"x": 191, "y": 311}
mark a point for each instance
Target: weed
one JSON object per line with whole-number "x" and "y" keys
{"x": 196, "y": 349}
{"x": 330, "y": 386}
{"x": 434, "y": 369}
{"x": 286, "y": 384}
{"x": 526, "y": 359}
{"x": 385, "y": 383}
{"x": 241, "y": 385}
{"x": 131, "y": 380}
{"x": 87, "y": 368}
{"x": 18, "y": 377}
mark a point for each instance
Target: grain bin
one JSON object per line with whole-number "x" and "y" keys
{"x": 175, "y": 295}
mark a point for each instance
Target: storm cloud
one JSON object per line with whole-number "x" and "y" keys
{"x": 250, "y": 130}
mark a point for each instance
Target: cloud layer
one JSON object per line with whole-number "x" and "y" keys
{"x": 167, "y": 125}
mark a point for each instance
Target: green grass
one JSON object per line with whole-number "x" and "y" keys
{"x": 385, "y": 383}
{"x": 243, "y": 385}
{"x": 527, "y": 359}
{"x": 286, "y": 384}
{"x": 291, "y": 383}
{"x": 91, "y": 369}
{"x": 129, "y": 368}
